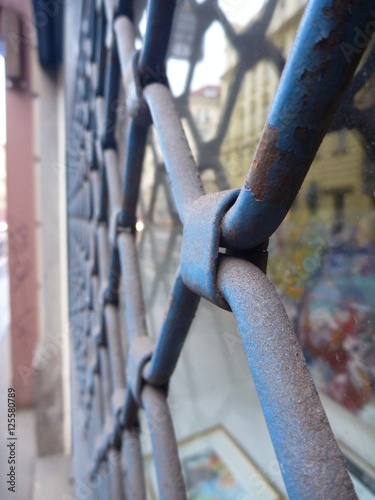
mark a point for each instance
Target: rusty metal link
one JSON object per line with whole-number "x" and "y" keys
{"x": 136, "y": 105}
{"x": 224, "y": 236}
{"x": 201, "y": 244}
{"x": 140, "y": 353}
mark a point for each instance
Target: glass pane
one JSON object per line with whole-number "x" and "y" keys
{"x": 322, "y": 258}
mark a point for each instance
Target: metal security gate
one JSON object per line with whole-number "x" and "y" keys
{"x": 225, "y": 236}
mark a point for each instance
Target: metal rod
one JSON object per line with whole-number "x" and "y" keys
{"x": 117, "y": 486}
{"x": 181, "y": 308}
{"x": 164, "y": 447}
{"x": 315, "y": 78}
{"x": 132, "y": 287}
{"x": 132, "y": 172}
{"x": 113, "y": 180}
{"x": 124, "y": 31}
{"x": 310, "y": 460}
{"x": 154, "y": 49}
{"x": 112, "y": 85}
{"x": 179, "y": 161}
{"x": 101, "y": 51}
{"x": 114, "y": 346}
{"x": 135, "y": 485}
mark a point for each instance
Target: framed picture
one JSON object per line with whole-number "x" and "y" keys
{"x": 215, "y": 467}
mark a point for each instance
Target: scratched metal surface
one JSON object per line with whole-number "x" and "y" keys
{"x": 212, "y": 383}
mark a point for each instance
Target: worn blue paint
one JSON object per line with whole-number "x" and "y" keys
{"x": 137, "y": 137}
{"x": 316, "y": 75}
{"x": 309, "y": 457}
{"x": 111, "y": 93}
{"x": 152, "y": 58}
{"x": 48, "y": 18}
{"x": 180, "y": 312}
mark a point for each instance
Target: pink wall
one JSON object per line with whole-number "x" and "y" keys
{"x": 22, "y": 222}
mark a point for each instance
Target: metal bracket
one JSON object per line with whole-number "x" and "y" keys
{"x": 135, "y": 103}
{"x": 201, "y": 244}
{"x": 140, "y": 353}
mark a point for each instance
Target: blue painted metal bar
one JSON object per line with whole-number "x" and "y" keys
{"x": 310, "y": 460}
{"x": 152, "y": 58}
{"x": 111, "y": 90}
{"x": 137, "y": 138}
{"x": 112, "y": 291}
{"x": 323, "y": 60}
{"x": 180, "y": 312}
{"x": 125, "y": 8}
{"x": 171, "y": 484}
{"x": 114, "y": 346}
{"x": 100, "y": 50}
{"x": 49, "y": 28}
{"x": 124, "y": 31}
{"x": 179, "y": 161}
{"x": 131, "y": 287}
{"x": 103, "y": 197}
{"x": 135, "y": 484}
{"x": 93, "y": 28}
{"x": 129, "y": 414}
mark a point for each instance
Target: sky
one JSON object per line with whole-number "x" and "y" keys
{"x": 240, "y": 11}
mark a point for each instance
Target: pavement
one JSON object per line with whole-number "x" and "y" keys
{"x": 26, "y": 443}
{"x": 37, "y": 478}
{"x": 53, "y": 478}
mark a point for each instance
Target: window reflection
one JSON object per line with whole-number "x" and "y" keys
{"x": 322, "y": 258}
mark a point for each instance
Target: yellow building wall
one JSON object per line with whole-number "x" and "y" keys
{"x": 333, "y": 168}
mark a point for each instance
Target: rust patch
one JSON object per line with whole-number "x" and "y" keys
{"x": 340, "y": 10}
{"x": 340, "y": 13}
{"x": 302, "y": 133}
{"x": 265, "y": 156}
